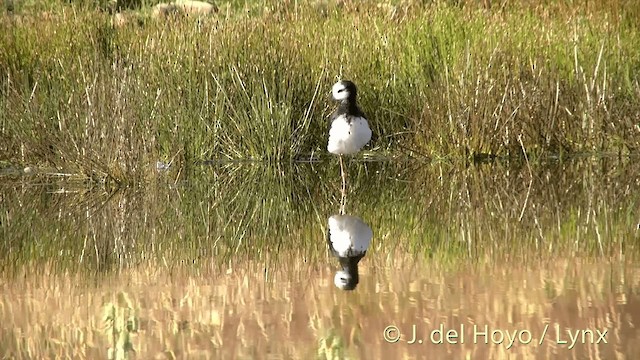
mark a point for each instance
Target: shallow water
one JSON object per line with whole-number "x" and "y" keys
{"x": 231, "y": 261}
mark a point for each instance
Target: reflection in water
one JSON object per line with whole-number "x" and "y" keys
{"x": 204, "y": 256}
{"x": 348, "y": 238}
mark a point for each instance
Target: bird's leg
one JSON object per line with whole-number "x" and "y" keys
{"x": 343, "y": 198}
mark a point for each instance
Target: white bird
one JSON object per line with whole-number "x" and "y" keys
{"x": 349, "y": 131}
{"x": 349, "y": 238}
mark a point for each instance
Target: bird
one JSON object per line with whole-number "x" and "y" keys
{"x": 349, "y": 131}
{"x": 348, "y": 238}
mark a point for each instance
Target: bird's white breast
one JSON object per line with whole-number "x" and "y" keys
{"x": 348, "y": 137}
{"x": 349, "y": 235}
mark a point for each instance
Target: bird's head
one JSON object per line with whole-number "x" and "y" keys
{"x": 343, "y": 90}
{"x": 345, "y": 281}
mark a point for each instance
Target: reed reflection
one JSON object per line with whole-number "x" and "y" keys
{"x": 348, "y": 238}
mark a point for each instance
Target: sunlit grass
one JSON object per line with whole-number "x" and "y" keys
{"x": 82, "y": 96}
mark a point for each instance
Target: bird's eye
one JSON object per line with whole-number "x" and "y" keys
{"x": 341, "y": 90}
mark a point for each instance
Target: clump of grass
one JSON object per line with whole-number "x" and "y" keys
{"x": 253, "y": 124}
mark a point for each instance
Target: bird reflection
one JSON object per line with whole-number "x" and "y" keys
{"x": 348, "y": 238}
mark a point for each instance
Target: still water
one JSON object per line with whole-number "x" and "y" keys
{"x": 231, "y": 261}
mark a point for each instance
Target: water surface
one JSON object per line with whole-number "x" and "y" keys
{"x": 231, "y": 261}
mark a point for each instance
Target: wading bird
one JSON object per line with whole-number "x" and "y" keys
{"x": 348, "y": 238}
{"x": 349, "y": 130}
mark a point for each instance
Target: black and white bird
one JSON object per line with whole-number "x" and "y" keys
{"x": 349, "y": 131}
{"x": 349, "y": 238}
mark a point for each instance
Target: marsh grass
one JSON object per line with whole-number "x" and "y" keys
{"x": 82, "y": 96}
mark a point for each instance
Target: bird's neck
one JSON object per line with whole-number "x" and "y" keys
{"x": 350, "y": 263}
{"x": 352, "y": 269}
{"x": 350, "y": 106}
{"x": 349, "y": 102}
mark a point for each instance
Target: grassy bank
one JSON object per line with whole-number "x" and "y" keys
{"x": 81, "y": 95}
